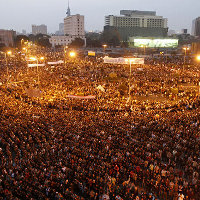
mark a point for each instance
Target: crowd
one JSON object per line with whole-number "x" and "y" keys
{"x": 109, "y": 148}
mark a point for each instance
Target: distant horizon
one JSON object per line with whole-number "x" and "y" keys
{"x": 21, "y": 15}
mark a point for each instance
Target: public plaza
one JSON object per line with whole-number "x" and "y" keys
{"x": 86, "y": 130}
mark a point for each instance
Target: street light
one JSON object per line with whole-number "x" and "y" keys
{"x": 36, "y": 59}
{"x": 104, "y": 47}
{"x": 72, "y": 54}
{"x": 144, "y": 48}
{"x": 7, "y": 53}
{"x": 65, "y": 51}
{"x": 185, "y": 49}
{"x": 198, "y": 58}
{"x": 128, "y": 60}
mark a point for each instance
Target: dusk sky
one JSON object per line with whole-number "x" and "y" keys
{"x": 21, "y": 14}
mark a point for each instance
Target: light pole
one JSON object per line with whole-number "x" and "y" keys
{"x": 130, "y": 71}
{"x": 7, "y": 53}
{"x": 104, "y": 47}
{"x": 65, "y": 47}
{"x": 36, "y": 59}
{"x": 198, "y": 60}
{"x": 185, "y": 49}
{"x": 144, "y": 49}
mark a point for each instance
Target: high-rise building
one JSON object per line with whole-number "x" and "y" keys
{"x": 7, "y": 37}
{"x": 24, "y": 32}
{"x": 72, "y": 28}
{"x": 61, "y": 28}
{"x": 136, "y": 23}
{"x": 39, "y": 29}
{"x": 196, "y": 27}
{"x": 74, "y": 25}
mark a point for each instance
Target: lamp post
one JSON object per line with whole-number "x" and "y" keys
{"x": 198, "y": 60}
{"x": 36, "y": 59}
{"x": 7, "y": 53}
{"x": 65, "y": 47}
{"x": 144, "y": 49}
{"x": 72, "y": 54}
{"x": 185, "y": 49}
{"x": 104, "y": 47}
{"x": 130, "y": 71}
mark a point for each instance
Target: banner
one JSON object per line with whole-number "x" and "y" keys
{"x": 56, "y": 62}
{"x": 35, "y": 65}
{"x": 81, "y": 97}
{"x": 123, "y": 61}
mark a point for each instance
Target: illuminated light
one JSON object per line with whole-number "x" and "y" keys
{"x": 72, "y": 54}
{"x": 151, "y": 43}
{"x": 33, "y": 58}
{"x": 198, "y": 57}
{"x": 9, "y": 52}
{"x": 41, "y": 58}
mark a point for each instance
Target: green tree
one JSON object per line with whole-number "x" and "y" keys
{"x": 19, "y": 40}
{"x": 77, "y": 43}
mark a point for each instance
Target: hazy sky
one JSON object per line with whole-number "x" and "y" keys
{"x": 21, "y": 14}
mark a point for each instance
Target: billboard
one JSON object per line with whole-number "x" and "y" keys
{"x": 91, "y": 53}
{"x": 153, "y": 43}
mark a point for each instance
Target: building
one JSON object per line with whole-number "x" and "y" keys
{"x": 39, "y": 29}
{"x": 23, "y": 32}
{"x": 74, "y": 25}
{"x": 196, "y": 27}
{"x": 7, "y": 37}
{"x": 136, "y": 23}
{"x": 61, "y": 28}
{"x": 72, "y": 28}
{"x": 57, "y": 40}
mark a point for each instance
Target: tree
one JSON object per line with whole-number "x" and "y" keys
{"x": 77, "y": 43}
{"x": 40, "y": 39}
{"x": 19, "y": 40}
{"x": 111, "y": 37}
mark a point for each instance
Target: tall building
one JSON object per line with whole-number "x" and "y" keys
{"x": 7, "y": 37}
{"x": 74, "y": 25}
{"x": 39, "y": 29}
{"x": 136, "y": 23}
{"x": 73, "y": 28}
{"x": 196, "y": 27}
{"x": 61, "y": 28}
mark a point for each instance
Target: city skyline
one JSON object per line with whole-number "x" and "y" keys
{"x": 50, "y": 12}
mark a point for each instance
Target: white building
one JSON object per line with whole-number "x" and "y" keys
{"x": 74, "y": 25}
{"x": 134, "y": 18}
{"x": 63, "y": 40}
{"x": 39, "y": 29}
{"x": 73, "y": 28}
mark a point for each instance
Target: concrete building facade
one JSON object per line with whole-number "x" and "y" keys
{"x": 74, "y": 25}
{"x": 137, "y": 23}
{"x": 196, "y": 27}
{"x": 37, "y": 29}
{"x": 7, "y": 37}
{"x": 63, "y": 40}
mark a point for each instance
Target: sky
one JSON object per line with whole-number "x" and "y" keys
{"x": 21, "y": 14}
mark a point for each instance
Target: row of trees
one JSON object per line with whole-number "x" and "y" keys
{"x": 92, "y": 40}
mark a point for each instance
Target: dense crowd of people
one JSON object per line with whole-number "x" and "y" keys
{"x": 115, "y": 147}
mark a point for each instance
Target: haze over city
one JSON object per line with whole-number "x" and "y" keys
{"x": 21, "y": 14}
